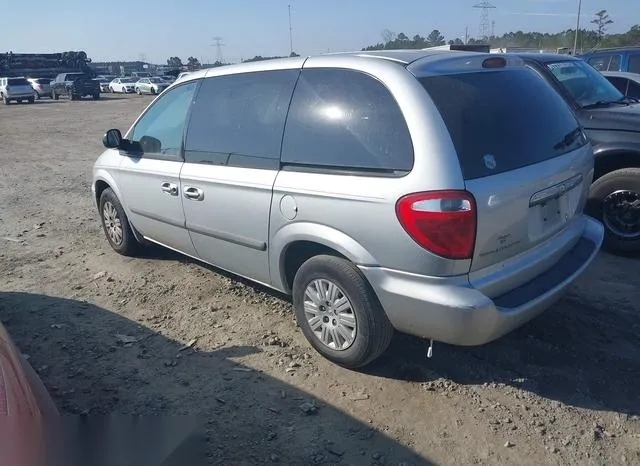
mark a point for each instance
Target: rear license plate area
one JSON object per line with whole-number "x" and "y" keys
{"x": 550, "y": 216}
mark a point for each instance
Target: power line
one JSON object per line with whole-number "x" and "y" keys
{"x": 485, "y": 25}
{"x": 218, "y": 44}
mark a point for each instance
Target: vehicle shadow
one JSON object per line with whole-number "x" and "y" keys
{"x": 577, "y": 353}
{"x": 95, "y": 362}
{"x": 580, "y": 353}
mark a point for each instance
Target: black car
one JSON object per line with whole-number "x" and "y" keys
{"x": 612, "y": 123}
{"x": 75, "y": 86}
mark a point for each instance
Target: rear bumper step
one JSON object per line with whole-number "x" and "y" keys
{"x": 451, "y": 311}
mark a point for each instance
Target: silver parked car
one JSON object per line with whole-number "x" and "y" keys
{"x": 41, "y": 86}
{"x": 439, "y": 194}
{"x": 151, "y": 86}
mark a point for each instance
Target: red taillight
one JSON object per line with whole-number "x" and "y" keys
{"x": 444, "y": 222}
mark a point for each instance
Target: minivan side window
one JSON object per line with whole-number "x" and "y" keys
{"x": 606, "y": 62}
{"x": 634, "y": 63}
{"x": 238, "y": 120}
{"x": 345, "y": 119}
{"x": 159, "y": 132}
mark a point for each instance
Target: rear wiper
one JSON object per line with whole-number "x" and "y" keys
{"x": 569, "y": 139}
{"x": 604, "y": 103}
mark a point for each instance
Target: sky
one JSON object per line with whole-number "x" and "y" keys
{"x": 155, "y": 30}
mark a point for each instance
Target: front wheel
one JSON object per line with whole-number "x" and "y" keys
{"x": 5, "y": 100}
{"x": 116, "y": 225}
{"x": 96, "y": 96}
{"x": 54, "y": 95}
{"x": 31, "y": 100}
{"x": 614, "y": 199}
{"x": 339, "y": 313}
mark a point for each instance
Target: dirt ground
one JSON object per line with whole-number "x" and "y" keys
{"x": 163, "y": 334}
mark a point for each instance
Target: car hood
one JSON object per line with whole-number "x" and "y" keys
{"x": 618, "y": 117}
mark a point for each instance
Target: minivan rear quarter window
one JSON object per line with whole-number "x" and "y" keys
{"x": 346, "y": 119}
{"x": 503, "y": 120}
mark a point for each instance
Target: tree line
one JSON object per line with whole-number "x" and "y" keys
{"x": 588, "y": 39}
{"x": 597, "y": 37}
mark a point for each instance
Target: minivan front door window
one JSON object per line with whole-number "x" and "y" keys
{"x": 159, "y": 132}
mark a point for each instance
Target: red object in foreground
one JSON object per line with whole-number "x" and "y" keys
{"x": 443, "y": 222}
{"x": 25, "y": 408}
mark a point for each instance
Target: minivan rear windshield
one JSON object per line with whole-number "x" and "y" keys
{"x": 503, "y": 120}
{"x": 17, "y": 82}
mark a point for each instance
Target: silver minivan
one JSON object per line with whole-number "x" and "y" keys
{"x": 436, "y": 193}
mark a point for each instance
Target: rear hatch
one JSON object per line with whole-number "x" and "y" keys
{"x": 18, "y": 86}
{"x": 523, "y": 156}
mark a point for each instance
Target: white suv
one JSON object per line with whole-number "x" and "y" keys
{"x": 17, "y": 89}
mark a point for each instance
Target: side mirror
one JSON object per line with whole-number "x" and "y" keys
{"x": 112, "y": 139}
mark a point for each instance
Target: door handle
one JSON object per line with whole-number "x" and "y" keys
{"x": 170, "y": 188}
{"x": 195, "y": 194}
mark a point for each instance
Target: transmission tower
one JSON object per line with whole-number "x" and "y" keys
{"x": 218, "y": 44}
{"x": 485, "y": 25}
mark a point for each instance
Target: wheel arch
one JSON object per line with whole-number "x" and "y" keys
{"x": 609, "y": 160}
{"x": 103, "y": 180}
{"x": 295, "y": 243}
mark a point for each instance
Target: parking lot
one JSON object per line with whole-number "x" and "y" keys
{"x": 164, "y": 334}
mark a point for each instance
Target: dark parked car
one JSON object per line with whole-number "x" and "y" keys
{"x": 612, "y": 123}
{"x": 627, "y": 83}
{"x": 614, "y": 59}
{"x": 75, "y": 86}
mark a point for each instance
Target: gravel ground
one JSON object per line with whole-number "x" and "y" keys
{"x": 163, "y": 334}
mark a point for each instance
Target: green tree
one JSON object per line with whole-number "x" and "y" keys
{"x": 174, "y": 62}
{"x": 435, "y": 38}
{"x": 193, "y": 63}
{"x": 602, "y": 20}
{"x": 457, "y": 41}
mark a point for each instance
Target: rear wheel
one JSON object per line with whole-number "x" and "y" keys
{"x": 339, "y": 313}
{"x": 116, "y": 225}
{"x": 153, "y": 91}
{"x": 36, "y": 95}
{"x": 5, "y": 100}
{"x": 96, "y": 95}
{"x": 614, "y": 199}
{"x": 54, "y": 95}
{"x": 31, "y": 100}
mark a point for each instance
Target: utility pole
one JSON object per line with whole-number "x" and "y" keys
{"x": 290, "y": 32}
{"x": 466, "y": 35}
{"x": 575, "y": 42}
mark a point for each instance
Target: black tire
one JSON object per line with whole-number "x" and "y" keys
{"x": 19, "y": 101}
{"x": 5, "y": 100}
{"x": 96, "y": 96}
{"x": 625, "y": 179}
{"x": 31, "y": 100}
{"x": 128, "y": 246}
{"x": 153, "y": 91}
{"x": 54, "y": 95}
{"x": 36, "y": 96}
{"x": 71, "y": 95}
{"x": 374, "y": 331}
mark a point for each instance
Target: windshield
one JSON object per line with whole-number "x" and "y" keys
{"x": 156, "y": 80}
{"x": 584, "y": 83}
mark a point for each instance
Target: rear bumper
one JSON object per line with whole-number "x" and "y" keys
{"x": 22, "y": 95}
{"x": 451, "y": 311}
